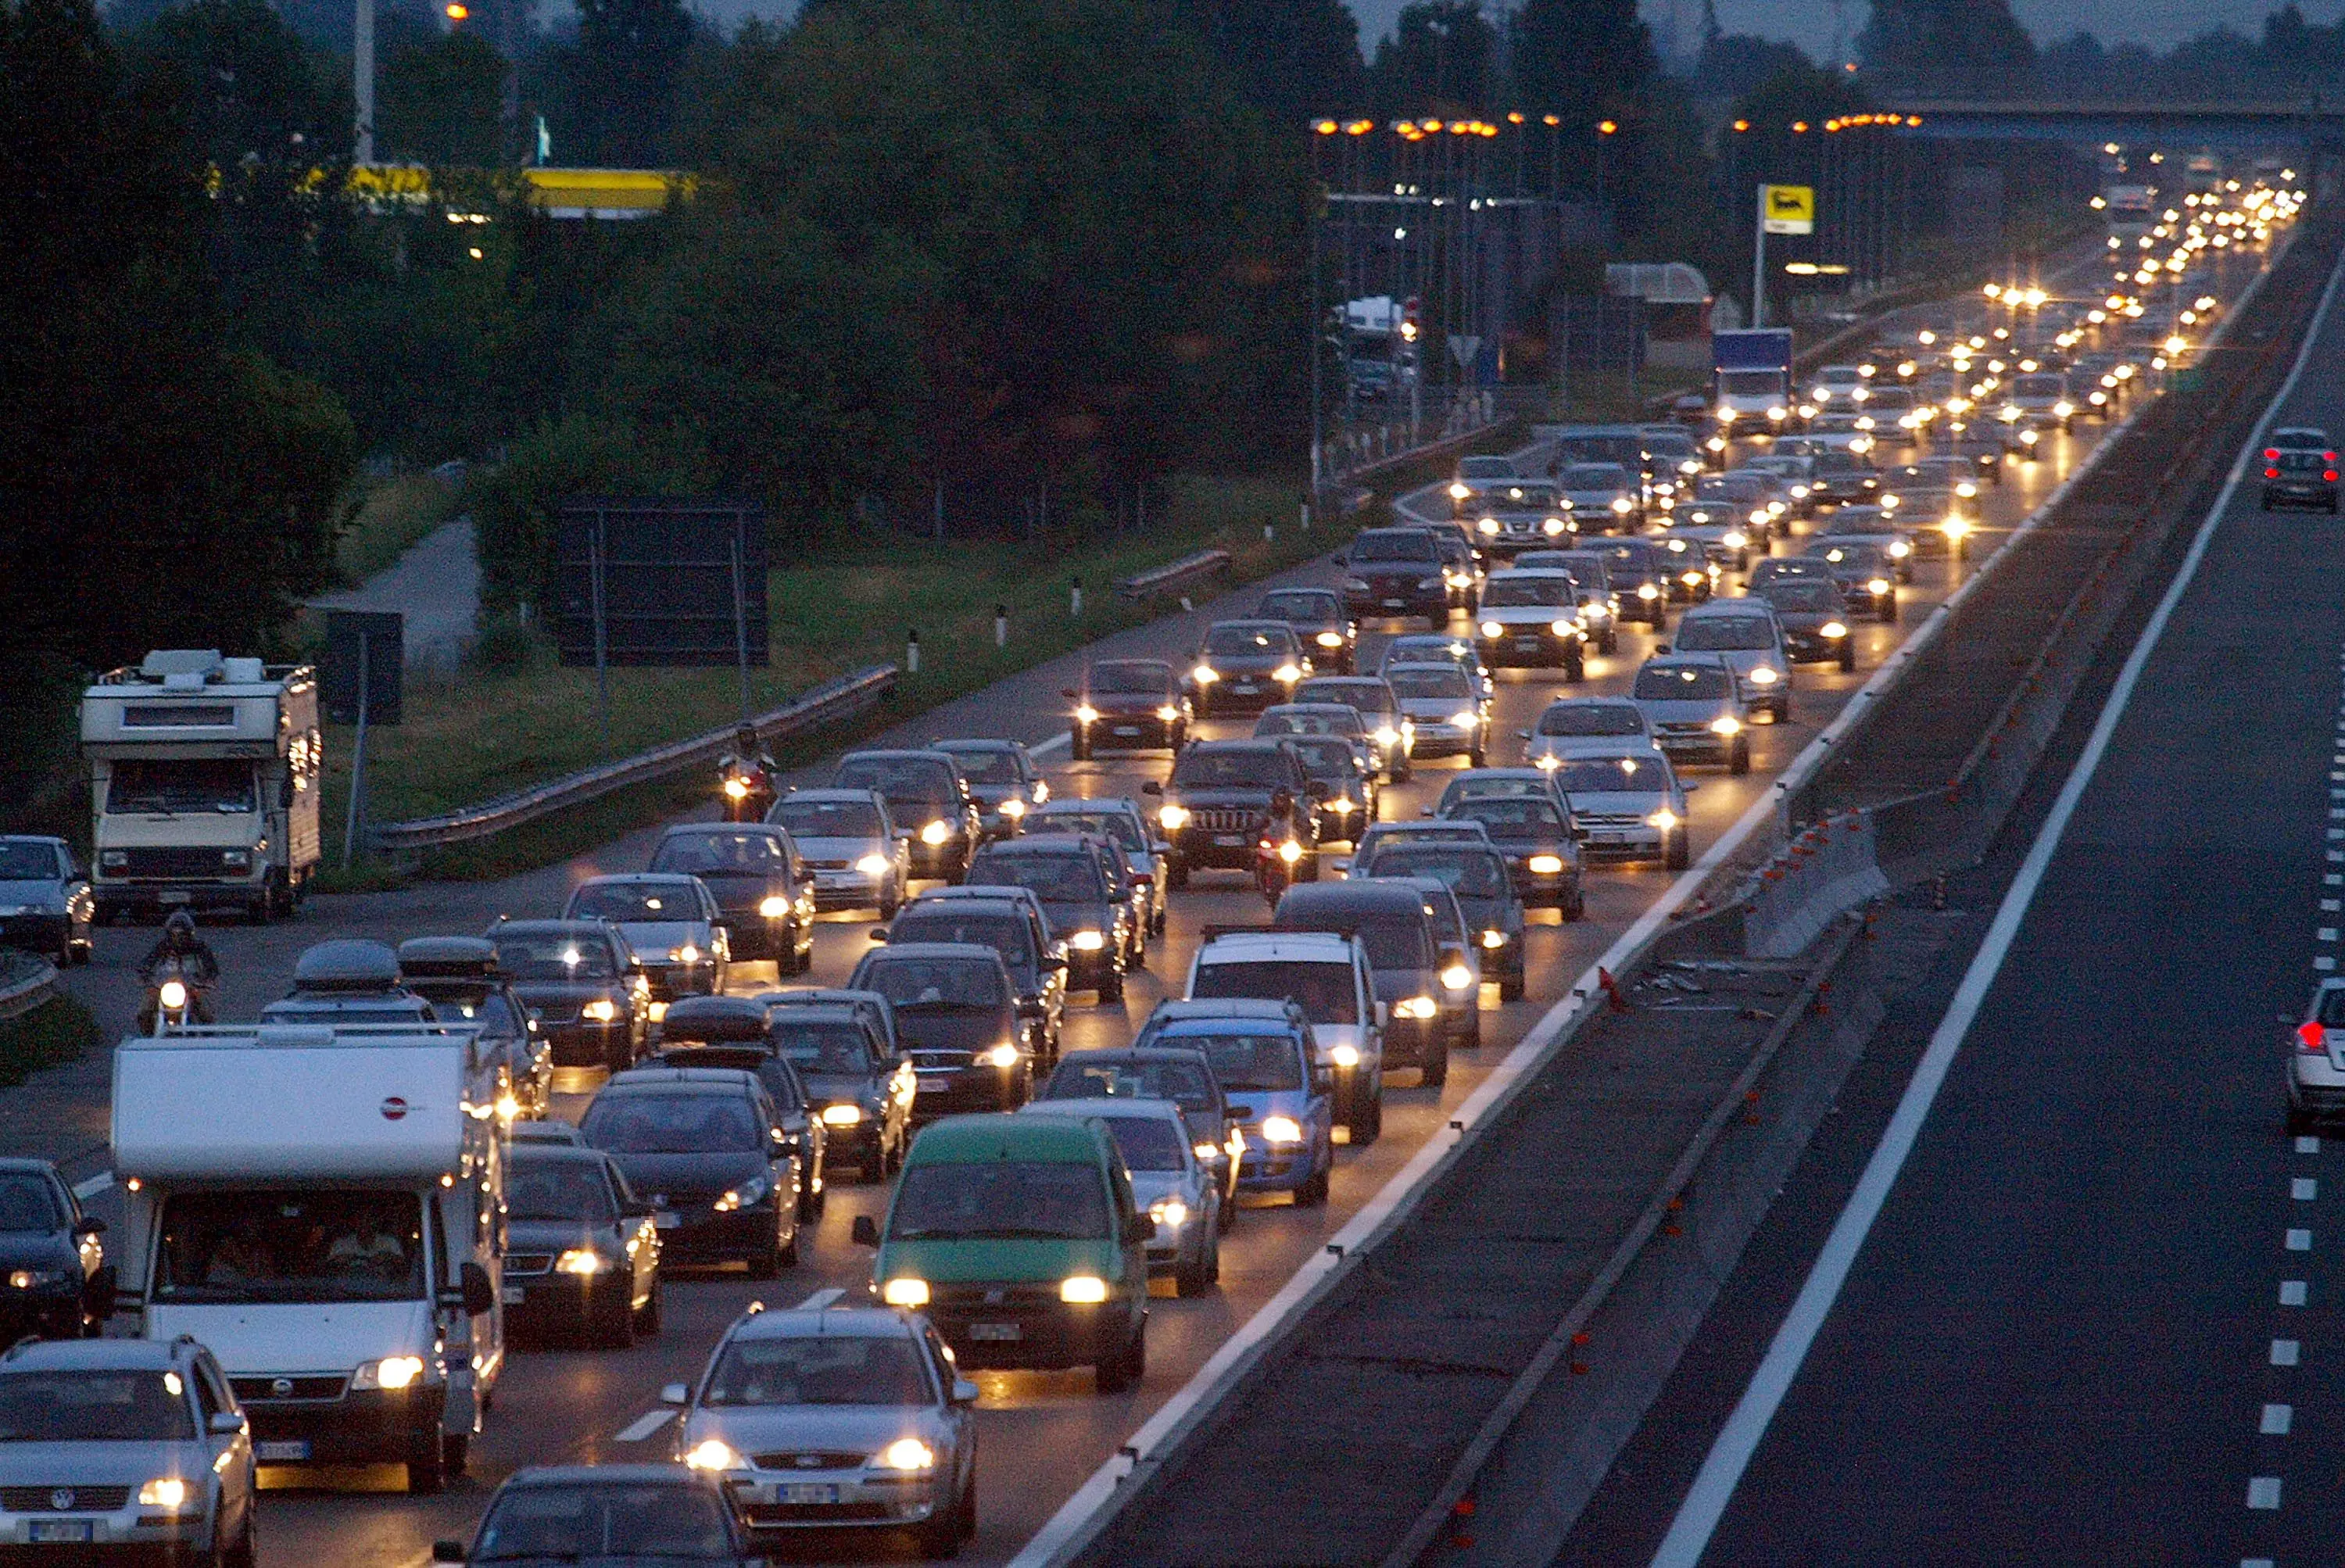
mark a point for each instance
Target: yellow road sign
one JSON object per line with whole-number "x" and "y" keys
{"x": 1788, "y": 209}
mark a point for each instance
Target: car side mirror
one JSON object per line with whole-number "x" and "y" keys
{"x": 1342, "y": 865}
{"x": 1382, "y": 1015}
{"x": 1151, "y": 787}
{"x": 225, "y": 1424}
{"x": 1689, "y": 789}
{"x": 480, "y": 1295}
{"x": 1522, "y": 734}
{"x": 1661, "y": 647}
{"x": 879, "y": 933}
{"x": 964, "y": 1393}
{"x": 447, "y": 1552}
{"x": 675, "y": 1393}
{"x": 865, "y": 1231}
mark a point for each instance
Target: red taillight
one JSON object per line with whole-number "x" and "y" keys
{"x": 2327, "y": 457}
{"x": 2271, "y": 474}
{"x": 2270, "y": 452}
{"x": 2311, "y": 1037}
{"x": 2329, "y": 474}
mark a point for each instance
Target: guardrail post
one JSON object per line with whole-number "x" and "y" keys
{"x": 912, "y": 651}
{"x": 1001, "y": 625}
{"x": 1075, "y": 600}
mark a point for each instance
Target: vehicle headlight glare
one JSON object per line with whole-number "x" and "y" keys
{"x": 1330, "y": 639}
{"x": 774, "y": 908}
{"x": 1086, "y": 941}
{"x": 1168, "y": 713}
{"x": 1420, "y": 1008}
{"x": 1877, "y": 586}
{"x": 581, "y": 1260}
{"x": 1648, "y": 590}
{"x": 1491, "y": 628}
{"x": 1622, "y": 506}
{"x": 602, "y": 1010}
{"x": 1087, "y": 714}
{"x": 1082, "y": 1289}
{"x": 713, "y": 1455}
{"x": 1545, "y": 865}
{"x": 1563, "y": 628}
{"x": 173, "y": 995}
{"x": 1464, "y": 719}
{"x": 169, "y": 1493}
{"x": 1287, "y": 674}
{"x": 1169, "y": 1213}
{"x": 740, "y": 1198}
{"x": 1457, "y": 977}
{"x": 905, "y": 1454}
{"x": 1726, "y": 724}
{"x": 1281, "y": 1130}
{"x": 1834, "y": 629}
{"x": 393, "y": 1373}
{"x": 1494, "y": 938}
{"x": 1764, "y": 675}
{"x": 1290, "y": 851}
{"x": 1663, "y": 818}
{"x": 1345, "y": 1057}
{"x": 934, "y": 833}
{"x": 842, "y": 1116}
{"x": 905, "y": 1291}
{"x": 1004, "y": 1056}
{"x": 1174, "y": 817}
{"x": 874, "y": 865}
{"x": 1205, "y": 675}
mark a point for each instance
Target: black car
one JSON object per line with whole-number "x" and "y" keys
{"x": 705, "y": 1145}
{"x": 60, "y": 1285}
{"x": 1345, "y": 800}
{"x": 1243, "y": 667}
{"x": 1395, "y": 572}
{"x": 1815, "y": 615}
{"x": 1128, "y": 705}
{"x": 1640, "y": 575}
{"x": 956, "y": 1016}
{"x": 1404, "y": 953}
{"x": 929, "y": 800}
{"x": 1866, "y": 574}
{"x": 860, "y": 1088}
{"x": 2293, "y": 476}
{"x": 461, "y": 977}
{"x": 610, "y": 1515}
{"x": 1219, "y": 804}
{"x": 581, "y": 1250}
{"x": 1330, "y": 637}
{"x": 733, "y": 1032}
{"x": 1011, "y": 920}
{"x": 1540, "y": 840}
{"x": 1843, "y": 477}
{"x": 1003, "y": 778}
{"x": 1089, "y": 912}
{"x": 46, "y": 904}
{"x": 592, "y": 1000}
{"x": 1486, "y": 896}
{"x": 1180, "y": 1073}
{"x": 760, "y": 883}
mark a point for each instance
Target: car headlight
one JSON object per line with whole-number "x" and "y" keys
{"x": 1549, "y": 760}
{"x": 173, "y": 994}
{"x": 1494, "y": 938}
{"x": 1330, "y": 639}
{"x": 1552, "y": 527}
{"x": 1208, "y": 1153}
{"x": 1564, "y": 628}
{"x": 236, "y": 857}
{"x": 1460, "y": 490}
{"x": 1428, "y": 583}
{"x": 738, "y": 789}
{"x": 774, "y": 908}
{"x": 1342, "y": 805}
{"x": 687, "y": 953}
{"x": 1725, "y": 413}
{"x": 1622, "y": 506}
{"x": 1691, "y": 577}
{"x": 1734, "y": 539}
{"x": 1763, "y": 676}
{"x": 713, "y": 1455}
{"x": 875, "y": 865}
{"x": 1954, "y": 527}
{"x": 1345, "y": 1056}
{"x": 1205, "y": 675}
{"x": 842, "y": 1116}
{"x": 1013, "y": 807}
{"x": 391, "y": 1373}
{"x": 905, "y": 1454}
{"x": 1899, "y": 549}
{"x": 1648, "y": 590}
{"x": 1386, "y": 735}
{"x": 1082, "y": 1289}
{"x": 1287, "y": 674}
{"x": 2064, "y": 409}
{"x": 1464, "y": 719}
{"x": 1168, "y": 713}
{"x": 1087, "y": 714}
{"x": 1457, "y": 977}
{"x": 905, "y": 1290}
{"x": 1487, "y": 525}
{"x": 602, "y": 1010}
{"x": 1281, "y": 1130}
{"x": 1545, "y": 865}
{"x": 1491, "y": 628}
{"x": 740, "y": 1198}
{"x": 34, "y": 1279}
{"x": 581, "y": 1260}
{"x": 1174, "y": 817}
{"x": 1877, "y": 586}
{"x": 1004, "y": 1056}
{"x": 1663, "y": 818}
{"x": 1597, "y": 610}
{"x": 1169, "y": 1213}
{"x": 1834, "y": 629}
{"x": 168, "y": 1492}
{"x": 1726, "y": 724}
{"x": 1290, "y": 851}
{"x": 934, "y": 833}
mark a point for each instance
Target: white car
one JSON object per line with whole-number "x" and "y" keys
{"x": 1532, "y": 617}
{"x": 2316, "y": 1058}
{"x": 1630, "y": 803}
{"x": 1745, "y": 635}
{"x": 1328, "y": 977}
{"x": 1583, "y": 727}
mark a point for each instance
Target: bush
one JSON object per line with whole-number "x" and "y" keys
{"x": 515, "y": 505}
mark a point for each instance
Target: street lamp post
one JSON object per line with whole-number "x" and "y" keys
{"x": 362, "y": 79}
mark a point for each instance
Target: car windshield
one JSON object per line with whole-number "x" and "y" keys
{"x": 558, "y": 1189}
{"x": 95, "y": 1406}
{"x": 1244, "y": 642}
{"x": 838, "y": 1047}
{"x": 1005, "y": 933}
{"x": 1148, "y": 1143}
{"x": 1150, "y": 678}
{"x": 1054, "y": 878}
{"x": 934, "y": 984}
{"x": 1591, "y": 718}
{"x": 177, "y": 787}
{"x": 1346, "y": 722}
{"x": 919, "y": 781}
{"x": 1395, "y": 546}
{"x": 560, "y": 956}
{"x": 1324, "y": 991}
{"x": 988, "y": 767}
{"x": 1600, "y": 775}
{"x": 1184, "y": 1083}
{"x": 1809, "y": 597}
{"x": 29, "y": 1205}
{"x": 1201, "y": 767}
{"x": 1518, "y": 817}
{"x": 1394, "y": 940}
{"x": 1424, "y": 680}
{"x": 1681, "y": 682}
{"x": 1503, "y": 592}
{"x": 1370, "y": 702}
{"x": 597, "y": 1520}
{"x": 824, "y": 1370}
{"x": 1722, "y": 634}
{"x": 1116, "y": 827}
{"x": 1326, "y": 759}
{"x": 1469, "y": 873}
{"x": 1594, "y": 476}
{"x": 671, "y": 1123}
{"x": 720, "y": 855}
{"x": 645, "y": 901}
{"x": 1004, "y": 1199}
{"x": 28, "y": 863}
{"x": 280, "y": 1246}
{"x": 1264, "y": 1063}
{"x": 828, "y": 818}
{"x": 1299, "y": 604}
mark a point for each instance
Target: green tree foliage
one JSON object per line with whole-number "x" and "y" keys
{"x": 514, "y": 504}
{"x": 1442, "y": 55}
{"x": 622, "y": 78}
{"x": 439, "y": 102}
{"x": 1957, "y": 49}
{"x": 1585, "y": 59}
{"x": 1291, "y": 59}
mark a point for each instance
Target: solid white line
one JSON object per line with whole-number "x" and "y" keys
{"x": 86, "y": 1190}
{"x": 644, "y": 1426}
{"x": 820, "y": 1300}
{"x": 2263, "y": 1491}
{"x": 2277, "y": 1420}
{"x": 1721, "y": 1469}
{"x": 2291, "y": 1292}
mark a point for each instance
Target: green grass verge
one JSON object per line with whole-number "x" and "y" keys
{"x": 52, "y": 1034}
{"x": 389, "y": 519}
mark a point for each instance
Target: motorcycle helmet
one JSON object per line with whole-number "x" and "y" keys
{"x": 181, "y": 926}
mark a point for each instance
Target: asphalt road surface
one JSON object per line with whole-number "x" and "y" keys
{"x": 1042, "y": 1434}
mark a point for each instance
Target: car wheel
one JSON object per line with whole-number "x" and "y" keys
{"x": 939, "y": 1540}
{"x": 891, "y": 901}
{"x": 766, "y": 1263}
{"x": 1194, "y": 1279}
{"x": 1681, "y": 853}
{"x": 648, "y": 1322}
{"x": 1126, "y": 1366}
{"x": 1176, "y": 875}
{"x": 1078, "y": 749}
{"x": 1314, "y": 1190}
{"x": 1474, "y": 758}
{"x": 1510, "y": 989}
{"x": 615, "y": 1329}
{"x": 1573, "y": 906}
{"x": 1848, "y": 657}
{"x": 1156, "y": 921}
{"x": 1608, "y": 643}
{"x": 246, "y": 1551}
{"x": 1739, "y": 763}
{"x": 1434, "y": 1073}
{"x": 427, "y": 1474}
{"x": 1576, "y": 669}
{"x": 1111, "y": 988}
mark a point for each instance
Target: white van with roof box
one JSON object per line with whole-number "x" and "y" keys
{"x": 1329, "y": 978}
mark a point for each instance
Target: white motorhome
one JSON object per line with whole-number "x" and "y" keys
{"x": 321, "y": 1207}
{"x": 203, "y": 783}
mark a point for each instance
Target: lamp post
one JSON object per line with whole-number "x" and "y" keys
{"x": 362, "y": 80}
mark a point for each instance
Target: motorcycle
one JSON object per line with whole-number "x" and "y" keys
{"x": 748, "y": 793}
{"x": 1277, "y": 851}
{"x": 173, "y": 997}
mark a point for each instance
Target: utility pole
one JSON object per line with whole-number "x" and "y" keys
{"x": 1759, "y": 263}
{"x": 362, "y": 79}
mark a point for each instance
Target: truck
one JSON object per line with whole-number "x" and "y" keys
{"x": 1751, "y": 377}
{"x": 204, "y": 784}
{"x": 2129, "y": 209}
{"x": 321, "y": 1206}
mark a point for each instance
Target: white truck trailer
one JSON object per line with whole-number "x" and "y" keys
{"x": 322, "y": 1207}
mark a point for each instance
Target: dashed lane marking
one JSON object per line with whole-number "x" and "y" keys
{"x": 2263, "y": 1491}
{"x": 2276, "y": 1421}
{"x": 86, "y": 1190}
{"x": 2308, "y": 1142}
{"x": 2300, "y": 1241}
{"x": 644, "y": 1425}
{"x": 821, "y": 1298}
{"x": 2292, "y": 1292}
{"x": 2304, "y": 1189}
{"x": 2325, "y": 933}
{"x": 2324, "y": 962}
{"x": 2286, "y": 1352}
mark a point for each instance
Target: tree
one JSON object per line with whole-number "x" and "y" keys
{"x": 629, "y": 52}
{"x": 1957, "y": 48}
{"x": 1292, "y": 59}
{"x": 1442, "y": 57}
{"x": 1584, "y": 60}
{"x": 439, "y": 102}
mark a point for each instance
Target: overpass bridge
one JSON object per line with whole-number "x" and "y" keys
{"x": 2313, "y": 123}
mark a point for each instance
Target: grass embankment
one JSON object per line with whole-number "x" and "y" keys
{"x": 50, "y": 1036}
{"x": 389, "y": 519}
{"x": 487, "y": 731}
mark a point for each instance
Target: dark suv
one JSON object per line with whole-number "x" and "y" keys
{"x": 928, "y": 799}
{"x": 1245, "y": 667}
{"x": 1082, "y": 896}
{"x": 760, "y": 884}
{"x": 2300, "y": 470}
{"x": 1405, "y": 955}
{"x": 1396, "y": 572}
{"x": 1013, "y": 923}
{"x": 1220, "y": 801}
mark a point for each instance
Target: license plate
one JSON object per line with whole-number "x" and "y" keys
{"x": 515, "y": 1295}
{"x": 289, "y": 1451}
{"x": 1125, "y": 732}
{"x": 63, "y": 1529}
{"x": 666, "y": 1219}
{"x": 1394, "y": 603}
{"x": 810, "y": 1492}
{"x": 1247, "y": 687}
{"x": 173, "y": 896}
{"x": 1607, "y": 838}
{"x": 1527, "y": 644}
{"x": 996, "y": 1332}
{"x": 1228, "y": 840}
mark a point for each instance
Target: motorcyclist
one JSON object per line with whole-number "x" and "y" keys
{"x": 198, "y": 966}
{"x": 750, "y": 762}
{"x": 1273, "y": 871}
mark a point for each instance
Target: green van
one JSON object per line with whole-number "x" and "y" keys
{"x": 1018, "y": 1237}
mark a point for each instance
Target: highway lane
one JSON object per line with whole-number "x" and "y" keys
{"x": 1042, "y": 1433}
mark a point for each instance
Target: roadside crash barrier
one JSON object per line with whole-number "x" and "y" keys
{"x": 826, "y": 704}
{"x": 1829, "y": 868}
{"x": 1174, "y": 575}
{"x": 25, "y": 984}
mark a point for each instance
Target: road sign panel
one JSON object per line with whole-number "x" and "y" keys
{"x": 1788, "y": 209}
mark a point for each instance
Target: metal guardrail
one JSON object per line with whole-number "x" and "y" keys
{"x": 1181, "y": 574}
{"x": 25, "y": 984}
{"x": 835, "y": 699}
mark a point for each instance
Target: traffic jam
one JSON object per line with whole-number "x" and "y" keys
{"x": 1095, "y": 1033}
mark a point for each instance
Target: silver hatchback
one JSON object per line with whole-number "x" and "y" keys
{"x": 2316, "y": 1058}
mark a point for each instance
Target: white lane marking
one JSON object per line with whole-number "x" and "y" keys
{"x": 86, "y": 1190}
{"x": 2325, "y": 933}
{"x": 1044, "y": 747}
{"x": 2324, "y": 962}
{"x": 1721, "y": 1468}
{"x": 2286, "y": 1352}
{"x": 644, "y": 1426}
{"x": 2291, "y": 1292}
{"x": 2300, "y": 1241}
{"x": 2276, "y": 1421}
{"x": 2337, "y": 855}
{"x": 2329, "y": 906}
{"x": 820, "y": 1300}
{"x": 2308, "y": 1142}
{"x": 2331, "y": 880}
{"x": 2263, "y": 1491}
{"x": 2304, "y": 1189}
{"x": 2255, "y": 1562}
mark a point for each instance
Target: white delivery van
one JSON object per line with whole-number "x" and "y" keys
{"x": 1328, "y": 976}
{"x": 322, "y": 1207}
{"x": 203, "y": 783}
